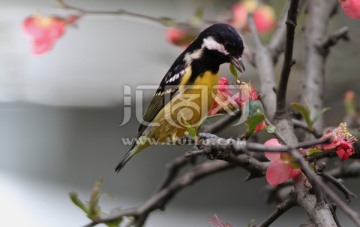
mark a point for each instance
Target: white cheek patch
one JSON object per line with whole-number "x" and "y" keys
{"x": 211, "y": 44}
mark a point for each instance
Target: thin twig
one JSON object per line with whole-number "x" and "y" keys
{"x": 119, "y": 12}
{"x": 339, "y": 184}
{"x": 161, "y": 198}
{"x": 280, "y": 210}
{"x": 279, "y": 193}
{"x": 288, "y": 61}
{"x": 311, "y": 175}
{"x": 256, "y": 35}
{"x": 333, "y": 39}
{"x": 220, "y": 147}
{"x": 173, "y": 169}
{"x": 222, "y": 123}
{"x": 300, "y": 124}
{"x": 321, "y": 155}
{"x": 165, "y": 21}
{"x": 347, "y": 170}
{"x": 265, "y": 67}
{"x": 277, "y": 43}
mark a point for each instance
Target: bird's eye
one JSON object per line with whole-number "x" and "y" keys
{"x": 228, "y": 46}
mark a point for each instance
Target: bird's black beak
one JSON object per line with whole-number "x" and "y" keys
{"x": 238, "y": 63}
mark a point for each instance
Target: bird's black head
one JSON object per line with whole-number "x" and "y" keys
{"x": 222, "y": 42}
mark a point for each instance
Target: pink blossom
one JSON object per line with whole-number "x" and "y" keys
{"x": 264, "y": 18}
{"x": 240, "y": 15}
{"x": 217, "y": 222}
{"x": 226, "y": 100}
{"x": 351, "y": 8}
{"x": 45, "y": 30}
{"x": 246, "y": 92}
{"x": 342, "y": 142}
{"x": 179, "y": 37}
{"x": 264, "y": 15}
{"x": 223, "y": 95}
{"x": 282, "y": 167}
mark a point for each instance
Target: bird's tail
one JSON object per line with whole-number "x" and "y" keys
{"x": 136, "y": 148}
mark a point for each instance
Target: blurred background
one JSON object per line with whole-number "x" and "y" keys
{"x": 60, "y": 114}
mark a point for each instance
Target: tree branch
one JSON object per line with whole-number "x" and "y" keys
{"x": 165, "y": 21}
{"x": 332, "y": 40}
{"x": 319, "y": 12}
{"x": 277, "y": 43}
{"x": 162, "y": 197}
{"x": 348, "y": 170}
{"x": 219, "y": 147}
{"x": 303, "y": 125}
{"x": 265, "y": 67}
{"x": 280, "y": 210}
{"x": 288, "y": 61}
{"x": 339, "y": 184}
{"x": 173, "y": 169}
{"x": 222, "y": 123}
{"x": 311, "y": 175}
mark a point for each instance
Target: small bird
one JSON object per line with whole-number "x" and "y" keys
{"x": 186, "y": 92}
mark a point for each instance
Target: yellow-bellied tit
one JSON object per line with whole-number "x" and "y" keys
{"x": 187, "y": 90}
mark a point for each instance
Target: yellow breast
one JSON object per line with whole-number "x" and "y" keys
{"x": 187, "y": 108}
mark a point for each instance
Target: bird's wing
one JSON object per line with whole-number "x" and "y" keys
{"x": 168, "y": 89}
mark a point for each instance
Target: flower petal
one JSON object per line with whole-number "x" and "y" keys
{"x": 272, "y": 156}
{"x": 344, "y": 153}
{"x": 40, "y": 46}
{"x": 240, "y": 15}
{"x": 264, "y": 18}
{"x": 279, "y": 172}
{"x": 31, "y": 28}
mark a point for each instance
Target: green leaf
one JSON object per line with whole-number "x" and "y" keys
{"x": 75, "y": 199}
{"x": 287, "y": 158}
{"x": 324, "y": 110}
{"x": 115, "y": 223}
{"x": 252, "y": 122}
{"x": 197, "y": 18}
{"x": 251, "y": 108}
{"x": 92, "y": 208}
{"x": 244, "y": 114}
{"x": 255, "y": 107}
{"x": 304, "y": 111}
{"x": 271, "y": 128}
{"x": 313, "y": 151}
{"x": 191, "y": 130}
{"x": 234, "y": 71}
{"x": 199, "y": 13}
{"x": 93, "y": 205}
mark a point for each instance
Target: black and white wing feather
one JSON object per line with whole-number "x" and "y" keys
{"x": 168, "y": 87}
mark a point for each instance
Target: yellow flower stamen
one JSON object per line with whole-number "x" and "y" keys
{"x": 343, "y": 132}
{"x": 43, "y": 21}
